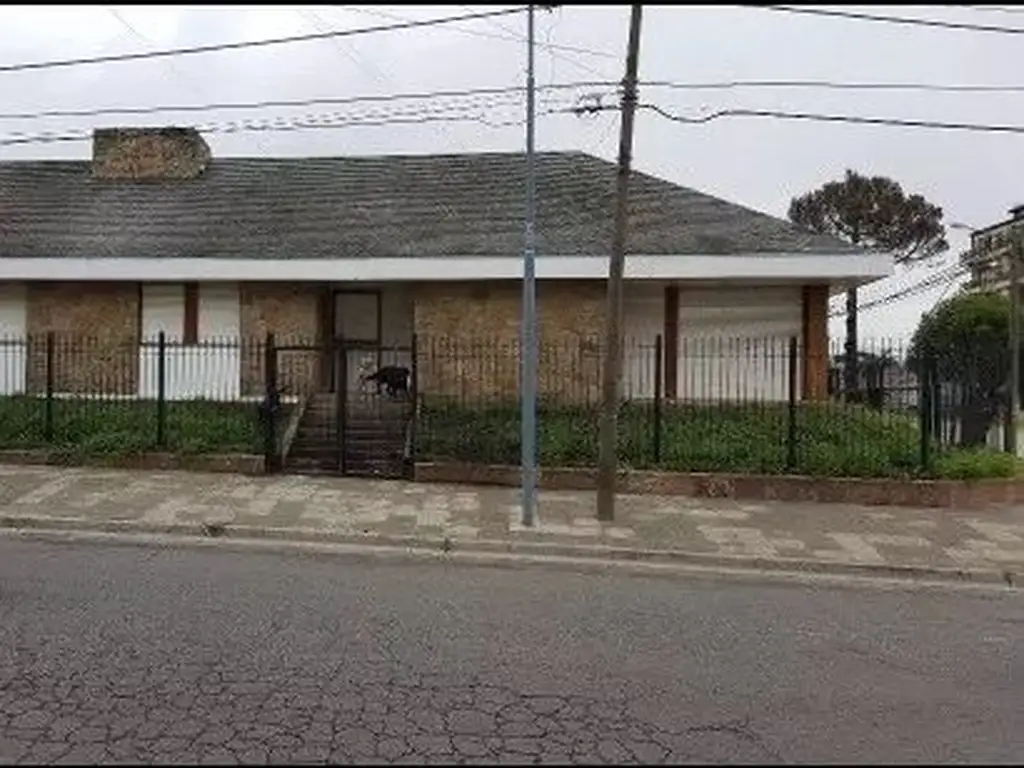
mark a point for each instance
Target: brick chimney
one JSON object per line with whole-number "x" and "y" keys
{"x": 148, "y": 154}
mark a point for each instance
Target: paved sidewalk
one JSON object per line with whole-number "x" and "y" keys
{"x": 980, "y": 544}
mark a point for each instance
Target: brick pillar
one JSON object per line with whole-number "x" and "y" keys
{"x": 815, "y": 342}
{"x": 670, "y": 338}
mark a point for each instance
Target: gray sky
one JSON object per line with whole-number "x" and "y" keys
{"x": 758, "y": 162}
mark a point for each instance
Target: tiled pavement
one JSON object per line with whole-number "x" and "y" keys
{"x": 337, "y": 508}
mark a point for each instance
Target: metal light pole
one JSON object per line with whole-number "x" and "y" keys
{"x": 1013, "y": 396}
{"x": 528, "y": 359}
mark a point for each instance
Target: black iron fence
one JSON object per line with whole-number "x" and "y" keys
{"x": 115, "y": 395}
{"x": 714, "y": 405}
{"x": 708, "y": 404}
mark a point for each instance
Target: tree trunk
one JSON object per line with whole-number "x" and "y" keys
{"x": 851, "y": 367}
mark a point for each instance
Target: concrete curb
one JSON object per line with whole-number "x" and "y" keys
{"x": 578, "y": 552}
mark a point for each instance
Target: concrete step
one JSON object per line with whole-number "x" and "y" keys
{"x": 310, "y": 466}
{"x": 381, "y": 469}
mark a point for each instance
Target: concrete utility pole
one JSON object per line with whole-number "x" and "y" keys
{"x": 528, "y": 360}
{"x": 612, "y": 369}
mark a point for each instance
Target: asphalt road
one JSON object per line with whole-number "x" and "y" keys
{"x": 122, "y": 654}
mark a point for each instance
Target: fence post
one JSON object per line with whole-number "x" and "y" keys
{"x": 659, "y": 369}
{"x": 271, "y": 405}
{"x": 414, "y": 394}
{"x": 791, "y": 419}
{"x": 161, "y": 390}
{"x": 48, "y": 408}
{"x": 341, "y": 404}
{"x": 926, "y": 409}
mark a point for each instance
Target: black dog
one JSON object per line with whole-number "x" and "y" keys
{"x": 394, "y": 378}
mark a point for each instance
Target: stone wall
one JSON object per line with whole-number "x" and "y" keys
{"x": 468, "y": 339}
{"x": 292, "y": 313}
{"x": 148, "y": 154}
{"x": 96, "y": 329}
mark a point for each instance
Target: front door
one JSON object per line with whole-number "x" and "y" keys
{"x": 357, "y": 323}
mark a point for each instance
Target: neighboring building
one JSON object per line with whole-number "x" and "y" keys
{"x": 991, "y": 250}
{"x": 153, "y": 235}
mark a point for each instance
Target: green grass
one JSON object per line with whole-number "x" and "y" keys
{"x": 831, "y": 441}
{"x": 124, "y": 428}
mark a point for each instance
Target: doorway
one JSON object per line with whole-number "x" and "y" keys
{"x": 357, "y": 333}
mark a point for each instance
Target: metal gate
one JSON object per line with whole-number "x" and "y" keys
{"x": 375, "y": 388}
{"x": 350, "y": 424}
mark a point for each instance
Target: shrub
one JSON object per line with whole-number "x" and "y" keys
{"x": 975, "y": 464}
{"x": 831, "y": 441}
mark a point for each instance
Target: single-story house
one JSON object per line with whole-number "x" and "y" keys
{"x": 153, "y": 234}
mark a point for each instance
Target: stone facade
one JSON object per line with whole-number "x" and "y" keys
{"x": 292, "y": 312}
{"x": 468, "y": 339}
{"x": 96, "y": 336}
{"x": 148, "y": 154}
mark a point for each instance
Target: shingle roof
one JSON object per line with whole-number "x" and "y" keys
{"x": 357, "y": 207}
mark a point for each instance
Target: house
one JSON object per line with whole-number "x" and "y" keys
{"x": 154, "y": 235}
{"x": 991, "y": 249}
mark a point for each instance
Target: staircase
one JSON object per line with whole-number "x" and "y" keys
{"x": 374, "y": 442}
{"x": 314, "y": 451}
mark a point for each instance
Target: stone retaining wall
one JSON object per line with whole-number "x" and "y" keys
{"x": 861, "y": 491}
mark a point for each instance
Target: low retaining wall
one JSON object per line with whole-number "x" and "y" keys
{"x": 873, "y": 492}
{"x": 238, "y": 463}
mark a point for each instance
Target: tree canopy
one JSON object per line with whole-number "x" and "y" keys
{"x": 874, "y": 212}
{"x": 963, "y": 343}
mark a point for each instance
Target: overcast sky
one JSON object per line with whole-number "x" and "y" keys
{"x": 760, "y": 163}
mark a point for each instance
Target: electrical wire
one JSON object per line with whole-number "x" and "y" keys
{"x": 946, "y": 276}
{"x": 324, "y": 101}
{"x": 141, "y": 55}
{"x": 470, "y": 111}
{"x": 859, "y": 16}
{"x": 856, "y": 119}
{"x": 580, "y": 84}
{"x": 835, "y": 85}
{"x": 492, "y": 35}
{"x": 595, "y": 106}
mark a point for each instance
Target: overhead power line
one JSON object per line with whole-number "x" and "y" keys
{"x": 944, "y": 277}
{"x": 592, "y": 108}
{"x": 993, "y": 8}
{"x": 395, "y": 27}
{"x": 593, "y": 105}
{"x": 472, "y": 111}
{"x": 857, "y": 119}
{"x": 856, "y": 15}
{"x": 580, "y": 84}
{"x": 276, "y": 103}
{"x": 836, "y": 85}
{"x": 494, "y": 35}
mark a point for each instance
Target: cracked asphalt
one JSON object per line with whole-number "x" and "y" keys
{"x": 121, "y": 654}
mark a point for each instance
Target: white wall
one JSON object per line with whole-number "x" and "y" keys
{"x": 210, "y": 369}
{"x": 734, "y": 342}
{"x": 643, "y": 318}
{"x": 13, "y": 332}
